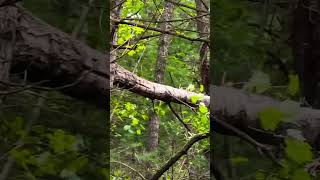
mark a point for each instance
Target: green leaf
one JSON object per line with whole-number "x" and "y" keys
{"x": 298, "y": 151}
{"x": 134, "y": 122}
{"x": 203, "y": 109}
{"x": 21, "y": 156}
{"x": 129, "y": 106}
{"x": 61, "y": 142}
{"x": 131, "y": 52}
{"x": 138, "y": 131}
{"x": 270, "y": 118}
{"x": 300, "y": 174}
{"x": 201, "y": 88}
{"x": 126, "y": 127}
{"x": 204, "y": 120}
{"x": 194, "y": 99}
{"x": 293, "y": 86}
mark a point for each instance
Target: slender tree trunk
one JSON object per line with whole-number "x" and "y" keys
{"x": 164, "y": 42}
{"x": 114, "y": 14}
{"x": 203, "y": 30}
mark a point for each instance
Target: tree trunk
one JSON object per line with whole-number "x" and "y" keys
{"x": 203, "y": 30}
{"x": 164, "y": 41}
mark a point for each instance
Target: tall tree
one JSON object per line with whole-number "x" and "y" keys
{"x": 164, "y": 42}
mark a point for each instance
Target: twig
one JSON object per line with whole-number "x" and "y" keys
{"x": 177, "y": 116}
{"x": 178, "y": 155}
{"x": 159, "y": 30}
{"x": 186, "y": 6}
{"x": 262, "y": 148}
{"x": 174, "y": 20}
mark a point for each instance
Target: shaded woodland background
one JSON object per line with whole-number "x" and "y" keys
{"x": 263, "y": 96}
{"x": 44, "y": 133}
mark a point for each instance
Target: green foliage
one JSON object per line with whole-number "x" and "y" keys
{"x": 300, "y": 174}
{"x": 65, "y": 139}
{"x": 250, "y": 52}
{"x": 131, "y": 114}
{"x": 61, "y": 142}
{"x": 293, "y": 87}
{"x": 298, "y": 151}
{"x": 270, "y": 118}
{"x": 60, "y": 157}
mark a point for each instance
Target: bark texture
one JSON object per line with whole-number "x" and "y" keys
{"x": 127, "y": 80}
{"x": 204, "y": 31}
{"x": 164, "y": 42}
{"x": 8, "y": 27}
{"x": 49, "y": 54}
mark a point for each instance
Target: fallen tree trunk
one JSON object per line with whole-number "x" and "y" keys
{"x": 136, "y": 84}
{"x": 49, "y": 54}
{"x": 242, "y": 109}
